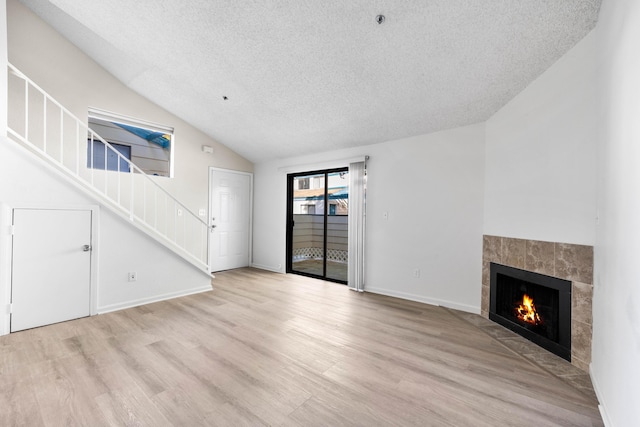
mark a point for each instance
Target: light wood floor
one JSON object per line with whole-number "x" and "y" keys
{"x": 269, "y": 349}
{"x": 335, "y": 270}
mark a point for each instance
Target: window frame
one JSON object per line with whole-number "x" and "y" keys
{"x": 98, "y": 114}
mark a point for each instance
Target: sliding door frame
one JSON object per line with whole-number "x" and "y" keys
{"x": 290, "y": 222}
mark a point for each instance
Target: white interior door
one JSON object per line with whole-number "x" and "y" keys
{"x": 230, "y": 218}
{"x": 51, "y": 267}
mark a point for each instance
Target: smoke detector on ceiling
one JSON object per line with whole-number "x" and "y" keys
{"x": 380, "y": 19}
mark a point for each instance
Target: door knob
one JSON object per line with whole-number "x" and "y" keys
{"x": 213, "y": 226}
{"x": 86, "y": 248}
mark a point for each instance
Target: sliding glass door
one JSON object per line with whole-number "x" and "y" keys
{"x": 317, "y": 233}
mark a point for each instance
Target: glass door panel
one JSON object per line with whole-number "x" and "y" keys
{"x": 337, "y": 223}
{"x": 308, "y": 225}
{"x": 317, "y": 224}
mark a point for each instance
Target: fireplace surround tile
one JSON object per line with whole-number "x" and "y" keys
{"x": 513, "y": 252}
{"x": 485, "y": 295}
{"x": 581, "y": 343}
{"x": 540, "y": 257}
{"x": 582, "y": 382}
{"x": 574, "y": 262}
{"x": 492, "y": 248}
{"x": 486, "y": 273}
{"x": 522, "y": 346}
{"x": 553, "y": 363}
{"x": 581, "y": 300}
{"x": 563, "y": 260}
{"x": 491, "y": 252}
{"x": 584, "y": 366}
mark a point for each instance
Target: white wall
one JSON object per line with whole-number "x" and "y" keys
{"x": 3, "y": 67}
{"x": 615, "y": 366}
{"x": 540, "y": 157}
{"x": 79, "y": 83}
{"x": 121, "y": 248}
{"x": 432, "y": 188}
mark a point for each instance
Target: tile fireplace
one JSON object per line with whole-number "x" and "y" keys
{"x": 533, "y": 305}
{"x": 570, "y": 263}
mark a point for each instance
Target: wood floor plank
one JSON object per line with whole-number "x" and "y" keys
{"x": 19, "y": 405}
{"x": 271, "y": 349}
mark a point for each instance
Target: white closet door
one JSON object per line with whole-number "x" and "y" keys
{"x": 51, "y": 267}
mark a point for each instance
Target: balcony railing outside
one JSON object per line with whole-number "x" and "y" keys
{"x": 308, "y": 238}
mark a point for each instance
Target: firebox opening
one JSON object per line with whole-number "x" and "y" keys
{"x": 536, "y": 306}
{"x": 541, "y": 315}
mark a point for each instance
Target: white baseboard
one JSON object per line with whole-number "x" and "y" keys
{"x": 266, "y": 267}
{"x": 420, "y": 298}
{"x": 149, "y": 300}
{"x": 601, "y": 405}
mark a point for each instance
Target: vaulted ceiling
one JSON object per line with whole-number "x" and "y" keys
{"x": 278, "y": 78}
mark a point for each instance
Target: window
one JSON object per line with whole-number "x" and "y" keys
{"x": 100, "y": 151}
{"x": 303, "y": 183}
{"x": 308, "y": 209}
{"x": 149, "y": 146}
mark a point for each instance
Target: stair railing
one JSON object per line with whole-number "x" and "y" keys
{"x": 49, "y": 130}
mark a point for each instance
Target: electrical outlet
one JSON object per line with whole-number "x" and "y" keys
{"x": 133, "y": 276}
{"x": 385, "y": 215}
{"x": 416, "y": 273}
{"x": 202, "y": 212}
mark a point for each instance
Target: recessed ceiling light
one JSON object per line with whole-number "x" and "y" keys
{"x": 380, "y": 19}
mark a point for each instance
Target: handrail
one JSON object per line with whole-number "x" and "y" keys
{"x": 163, "y": 222}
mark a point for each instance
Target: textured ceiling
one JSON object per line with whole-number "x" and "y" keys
{"x": 304, "y": 76}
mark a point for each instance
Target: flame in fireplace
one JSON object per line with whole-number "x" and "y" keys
{"x": 527, "y": 311}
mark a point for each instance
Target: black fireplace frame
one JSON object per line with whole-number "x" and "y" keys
{"x": 563, "y": 347}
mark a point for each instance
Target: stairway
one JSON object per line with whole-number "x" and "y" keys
{"x": 51, "y": 132}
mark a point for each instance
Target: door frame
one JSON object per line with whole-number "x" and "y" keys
{"x": 209, "y": 210}
{"x": 289, "y": 224}
{"x": 6, "y": 254}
